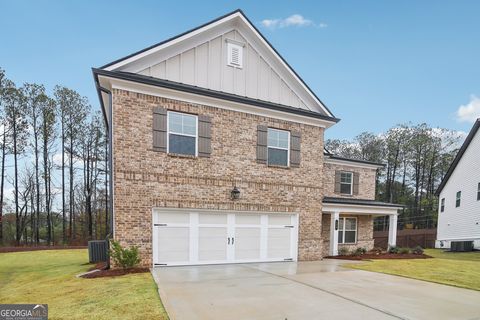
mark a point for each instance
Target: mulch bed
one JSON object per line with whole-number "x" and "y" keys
{"x": 114, "y": 273}
{"x": 99, "y": 266}
{"x": 372, "y": 256}
{"x": 21, "y": 249}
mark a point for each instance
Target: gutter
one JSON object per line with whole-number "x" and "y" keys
{"x": 209, "y": 93}
{"x": 109, "y": 127}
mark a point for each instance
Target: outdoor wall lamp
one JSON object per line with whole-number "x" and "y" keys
{"x": 235, "y": 193}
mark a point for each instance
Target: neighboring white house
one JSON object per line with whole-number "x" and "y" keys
{"x": 459, "y": 195}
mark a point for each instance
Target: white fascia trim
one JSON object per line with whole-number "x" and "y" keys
{"x": 359, "y": 209}
{"x": 351, "y": 163}
{"x": 170, "y": 43}
{"x": 214, "y": 102}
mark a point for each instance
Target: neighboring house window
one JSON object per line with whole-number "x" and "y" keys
{"x": 347, "y": 231}
{"x": 442, "y": 205}
{"x": 346, "y": 182}
{"x": 458, "y": 199}
{"x": 278, "y": 147}
{"x": 182, "y": 133}
{"x": 478, "y": 192}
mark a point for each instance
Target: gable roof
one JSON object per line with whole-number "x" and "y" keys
{"x": 236, "y": 17}
{"x": 459, "y": 155}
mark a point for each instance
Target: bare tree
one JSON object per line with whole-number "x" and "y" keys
{"x": 15, "y": 118}
{"x": 47, "y": 135}
{"x": 34, "y": 94}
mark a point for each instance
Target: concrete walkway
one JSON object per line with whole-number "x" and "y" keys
{"x": 306, "y": 290}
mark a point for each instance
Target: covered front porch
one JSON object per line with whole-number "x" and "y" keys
{"x": 349, "y": 223}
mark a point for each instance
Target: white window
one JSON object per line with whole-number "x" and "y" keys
{"x": 346, "y": 182}
{"x": 442, "y": 205}
{"x": 278, "y": 147}
{"x": 347, "y": 231}
{"x": 234, "y": 55}
{"x": 458, "y": 199}
{"x": 182, "y": 133}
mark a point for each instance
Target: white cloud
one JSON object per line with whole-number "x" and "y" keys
{"x": 469, "y": 112}
{"x": 295, "y": 20}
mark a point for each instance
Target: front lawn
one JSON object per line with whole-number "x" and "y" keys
{"x": 49, "y": 277}
{"x": 453, "y": 268}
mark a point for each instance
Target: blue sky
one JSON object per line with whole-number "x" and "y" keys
{"x": 373, "y": 63}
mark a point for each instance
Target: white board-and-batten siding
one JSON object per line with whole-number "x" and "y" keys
{"x": 463, "y": 222}
{"x": 205, "y": 66}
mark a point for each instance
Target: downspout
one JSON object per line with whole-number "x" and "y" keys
{"x": 109, "y": 127}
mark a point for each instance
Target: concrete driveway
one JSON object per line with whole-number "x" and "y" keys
{"x": 306, "y": 290}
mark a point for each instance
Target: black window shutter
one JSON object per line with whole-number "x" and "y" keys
{"x": 337, "y": 181}
{"x": 295, "y": 139}
{"x": 204, "y": 136}
{"x": 356, "y": 182}
{"x": 262, "y": 152}
{"x": 160, "y": 129}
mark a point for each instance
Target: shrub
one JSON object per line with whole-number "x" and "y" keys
{"x": 393, "y": 250}
{"x": 124, "y": 257}
{"x": 359, "y": 251}
{"x": 343, "y": 251}
{"x": 417, "y": 250}
{"x": 376, "y": 250}
{"x": 404, "y": 250}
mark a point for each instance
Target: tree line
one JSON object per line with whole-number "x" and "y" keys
{"x": 54, "y": 154}
{"x": 416, "y": 158}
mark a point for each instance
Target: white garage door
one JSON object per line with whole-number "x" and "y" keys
{"x": 184, "y": 238}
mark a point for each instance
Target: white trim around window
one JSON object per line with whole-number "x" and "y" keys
{"x": 181, "y": 132}
{"x": 342, "y": 229}
{"x": 278, "y": 147}
{"x": 342, "y": 173}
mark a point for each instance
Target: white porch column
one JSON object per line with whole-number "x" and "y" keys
{"x": 392, "y": 231}
{"x": 334, "y": 217}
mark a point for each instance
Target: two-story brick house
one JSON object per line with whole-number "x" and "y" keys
{"x": 218, "y": 155}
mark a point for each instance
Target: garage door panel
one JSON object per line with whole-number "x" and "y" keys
{"x": 212, "y": 244}
{"x": 247, "y": 243}
{"x": 173, "y": 244}
{"x": 278, "y": 243}
{"x": 279, "y": 219}
{"x": 247, "y": 219}
{"x": 172, "y": 217}
{"x": 213, "y": 218}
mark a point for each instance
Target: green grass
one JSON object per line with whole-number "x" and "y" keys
{"x": 49, "y": 277}
{"x": 455, "y": 269}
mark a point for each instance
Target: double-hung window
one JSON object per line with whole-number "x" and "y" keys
{"x": 346, "y": 182}
{"x": 182, "y": 133}
{"x": 278, "y": 147}
{"x": 458, "y": 199}
{"x": 442, "y": 205}
{"x": 347, "y": 231}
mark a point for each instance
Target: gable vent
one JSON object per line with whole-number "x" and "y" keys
{"x": 235, "y": 55}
